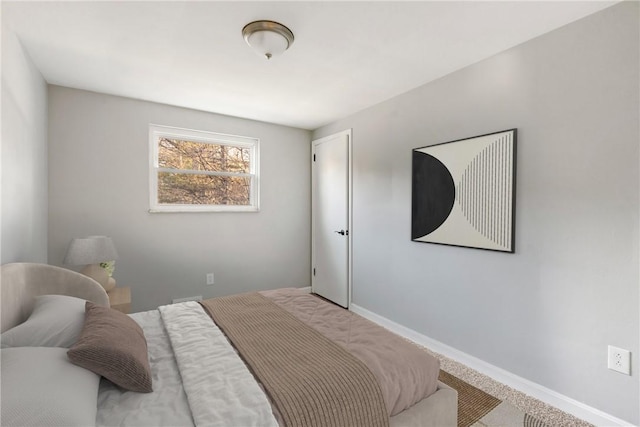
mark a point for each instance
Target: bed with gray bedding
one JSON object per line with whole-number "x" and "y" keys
{"x": 200, "y": 379}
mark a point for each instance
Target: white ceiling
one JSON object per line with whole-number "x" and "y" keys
{"x": 347, "y": 56}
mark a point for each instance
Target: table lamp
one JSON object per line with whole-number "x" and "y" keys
{"x": 91, "y": 251}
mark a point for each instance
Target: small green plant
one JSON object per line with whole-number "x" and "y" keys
{"x": 110, "y": 266}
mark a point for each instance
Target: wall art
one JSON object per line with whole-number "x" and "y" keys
{"x": 463, "y": 192}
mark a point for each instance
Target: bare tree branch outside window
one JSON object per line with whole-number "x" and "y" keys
{"x": 203, "y": 173}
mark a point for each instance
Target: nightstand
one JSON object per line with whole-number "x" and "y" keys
{"x": 120, "y": 299}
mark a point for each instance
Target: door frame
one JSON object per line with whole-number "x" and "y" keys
{"x": 349, "y": 134}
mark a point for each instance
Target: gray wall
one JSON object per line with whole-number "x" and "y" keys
{"x": 24, "y": 156}
{"x": 99, "y": 184}
{"x": 547, "y": 312}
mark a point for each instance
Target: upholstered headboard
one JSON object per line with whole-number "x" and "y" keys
{"x": 20, "y": 283}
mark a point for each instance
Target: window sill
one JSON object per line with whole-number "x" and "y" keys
{"x": 192, "y": 209}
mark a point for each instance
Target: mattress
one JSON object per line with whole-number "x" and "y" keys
{"x": 199, "y": 379}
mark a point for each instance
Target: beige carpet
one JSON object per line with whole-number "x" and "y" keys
{"x": 515, "y": 409}
{"x": 479, "y": 409}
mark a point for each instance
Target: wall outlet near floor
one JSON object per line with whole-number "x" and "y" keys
{"x": 210, "y": 279}
{"x": 619, "y": 360}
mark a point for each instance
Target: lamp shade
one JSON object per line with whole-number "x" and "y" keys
{"x": 90, "y": 250}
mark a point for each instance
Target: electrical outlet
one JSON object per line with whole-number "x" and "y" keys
{"x": 210, "y": 279}
{"x": 619, "y": 360}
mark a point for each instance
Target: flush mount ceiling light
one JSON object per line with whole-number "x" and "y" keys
{"x": 268, "y": 38}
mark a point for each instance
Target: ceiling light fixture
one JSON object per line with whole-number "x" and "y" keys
{"x": 268, "y": 38}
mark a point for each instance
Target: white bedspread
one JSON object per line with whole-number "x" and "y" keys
{"x": 198, "y": 378}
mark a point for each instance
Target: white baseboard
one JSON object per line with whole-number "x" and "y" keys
{"x": 562, "y": 402}
{"x": 306, "y": 289}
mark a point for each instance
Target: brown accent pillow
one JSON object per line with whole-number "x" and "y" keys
{"x": 113, "y": 345}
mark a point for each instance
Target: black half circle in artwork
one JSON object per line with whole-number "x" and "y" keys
{"x": 433, "y": 194}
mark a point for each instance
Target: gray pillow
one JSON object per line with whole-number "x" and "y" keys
{"x": 40, "y": 387}
{"x": 113, "y": 345}
{"x": 56, "y": 321}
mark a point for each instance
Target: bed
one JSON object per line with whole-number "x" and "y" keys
{"x": 186, "y": 370}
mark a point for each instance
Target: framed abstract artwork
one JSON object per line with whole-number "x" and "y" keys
{"x": 463, "y": 192}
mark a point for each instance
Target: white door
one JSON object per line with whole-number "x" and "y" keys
{"x": 331, "y": 254}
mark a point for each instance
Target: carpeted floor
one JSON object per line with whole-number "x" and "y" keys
{"x": 514, "y": 408}
{"x": 479, "y": 409}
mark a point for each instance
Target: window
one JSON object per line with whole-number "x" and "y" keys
{"x": 196, "y": 171}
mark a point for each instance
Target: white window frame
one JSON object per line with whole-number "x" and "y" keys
{"x": 158, "y": 131}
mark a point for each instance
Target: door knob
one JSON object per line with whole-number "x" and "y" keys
{"x": 342, "y": 232}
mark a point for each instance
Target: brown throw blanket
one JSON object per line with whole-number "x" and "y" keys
{"x": 405, "y": 372}
{"x": 311, "y": 380}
